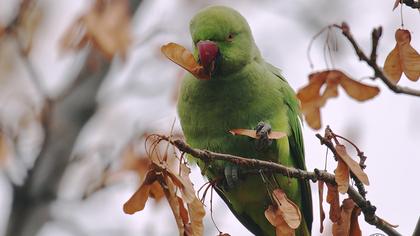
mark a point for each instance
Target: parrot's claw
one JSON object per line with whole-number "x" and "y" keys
{"x": 231, "y": 175}
{"x": 262, "y": 141}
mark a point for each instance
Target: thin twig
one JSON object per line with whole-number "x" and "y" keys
{"x": 376, "y": 34}
{"x": 207, "y": 156}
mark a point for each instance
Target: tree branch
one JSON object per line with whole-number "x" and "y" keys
{"x": 207, "y": 156}
{"x": 371, "y": 61}
{"x": 411, "y": 3}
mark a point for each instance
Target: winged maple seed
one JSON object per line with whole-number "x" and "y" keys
{"x": 348, "y": 224}
{"x": 253, "y": 133}
{"x": 187, "y": 208}
{"x": 342, "y": 176}
{"x": 184, "y": 58}
{"x": 352, "y": 165}
{"x": 334, "y": 200}
{"x": 312, "y": 99}
{"x": 284, "y": 215}
{"x": 403, "y": 58}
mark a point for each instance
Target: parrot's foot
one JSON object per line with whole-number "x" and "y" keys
{"x": 231, "y": 175}
{"x": 262, "y": 142}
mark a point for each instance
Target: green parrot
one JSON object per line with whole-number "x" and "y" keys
{"x": 246, "y": 92}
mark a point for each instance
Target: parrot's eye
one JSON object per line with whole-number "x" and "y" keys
{"x": 230, "y": 37}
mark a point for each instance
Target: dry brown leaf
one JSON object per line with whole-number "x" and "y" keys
{"x": 183, "y": 213}
{"x": 342, "y": 227}
{"x": 184, "y": 58}
{"x": 289, "y": 210}
{"x": 138, "y": 200}
{"x": 311, "y": 91}
{"x": 197, "y": 213}
{"x": 275, "y": 217}
{"x": 334, "y": 200}
{"x": 106, "y": 25}
{"x": 342, "y": 176}
{"x": 184, "y": 183}
{"x": 392, "y": 66}
{"x": 312, "y": 99}
{"x": 403, "y": 58}
{"x": 409, "y": 56}
{"x": 357, "y": 90}
{"x": 174, "y": 204}
{"x": 313, "y": 118}
{"x": 156, "y": 191}
{"x": 352, "y": 164}
{"x": 253, "y": 133}
{"x": 321, "y": 207}
{"x": 354, "y": 223}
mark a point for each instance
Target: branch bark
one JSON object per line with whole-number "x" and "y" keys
{"x": 207, "y": 156}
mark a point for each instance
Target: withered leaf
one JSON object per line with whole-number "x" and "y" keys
{"x": 312, "y": 99}
{"x": 289, "y": 210}
{"x": 275, "y": 217}
{"x": 321, "y": 207}
{"x": 138, "y": 200}
{"x": 197, "y": 213}
{"x": 253, "y": 133}
{"x": 403, "y": 58}
{"x": 185, "y": 59}
{"x": 183, "y": 213}
{"x": 156, "y": 191}
{"x": 352, "y": 164}
{"x": 173, "y": 201}
{"x": 360, "y": 92}
{"x": 184, "y": 184}
{"x": 342, "y": 176}
{"x": 334, "y": 200}
{"x": 354, "y": 223}
{"x": 342, "y": 227}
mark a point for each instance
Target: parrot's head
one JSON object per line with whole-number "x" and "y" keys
{"x": 223, "y": 42}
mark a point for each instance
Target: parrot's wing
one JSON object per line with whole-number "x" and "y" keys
{"x": 296, "y": 142}
{"x": 245, "y": 219}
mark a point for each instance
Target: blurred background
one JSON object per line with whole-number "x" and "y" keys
{"x": 81, "y": 82}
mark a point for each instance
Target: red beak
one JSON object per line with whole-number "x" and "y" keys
{"x": 207, "y": 53}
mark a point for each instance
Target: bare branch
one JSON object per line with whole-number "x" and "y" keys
{"x": 207, "y": 156}
{"x": 376, "y": 34}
